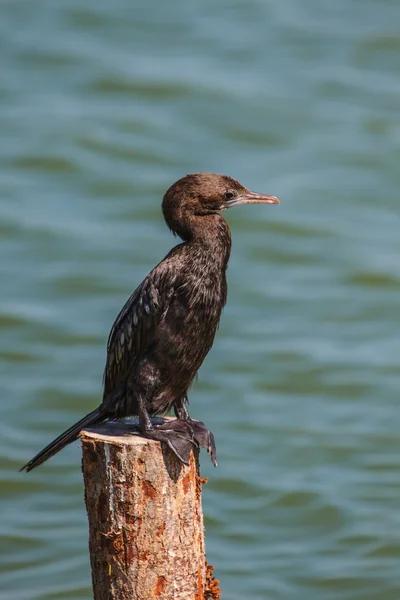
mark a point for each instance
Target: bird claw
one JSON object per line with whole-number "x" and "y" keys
{"x": 181, "y": 435}
{"x": 205, "y": 438}
{"x": 178, "y": 437}
{"x": 198, "y": 432}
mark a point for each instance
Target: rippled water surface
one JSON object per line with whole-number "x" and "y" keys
{"x": 102, "y": 106}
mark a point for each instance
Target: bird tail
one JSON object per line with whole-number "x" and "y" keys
{"x": 70, "y": 435}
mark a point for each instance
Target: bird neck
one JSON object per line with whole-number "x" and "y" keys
{"x": 212, "y": 234}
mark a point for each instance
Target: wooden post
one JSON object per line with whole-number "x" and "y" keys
{"x": 146, "y": 532}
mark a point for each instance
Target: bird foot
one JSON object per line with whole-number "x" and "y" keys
{"x": 182, "y": 435}
{"x": 204, "y": 437}
{"x": 177, "y": 435}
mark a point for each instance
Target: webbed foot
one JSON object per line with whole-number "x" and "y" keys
{"x": 204, "y": 437}
{"x": 178, "y": 436}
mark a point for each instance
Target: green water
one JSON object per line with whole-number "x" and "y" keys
{"x": 102, "y": 106}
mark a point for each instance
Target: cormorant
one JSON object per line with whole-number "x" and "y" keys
{"x": 167, "y": 326}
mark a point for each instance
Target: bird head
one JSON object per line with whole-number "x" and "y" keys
{"x": 204, "y": 194}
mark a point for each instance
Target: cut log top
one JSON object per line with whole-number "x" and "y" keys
{"x": 121, "y": 432}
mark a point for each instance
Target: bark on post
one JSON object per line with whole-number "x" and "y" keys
{"x": 146, "y": 532}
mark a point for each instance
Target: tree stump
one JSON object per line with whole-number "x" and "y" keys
{"x": 146, "y": 532}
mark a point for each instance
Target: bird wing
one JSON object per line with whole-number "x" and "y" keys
{"x": 133, "y": 329}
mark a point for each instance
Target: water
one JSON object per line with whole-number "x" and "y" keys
{"x": 103, "y": 105}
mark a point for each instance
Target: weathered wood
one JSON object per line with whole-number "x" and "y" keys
{"x": 146, "y": 532}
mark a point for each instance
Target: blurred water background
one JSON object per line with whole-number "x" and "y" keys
{"x": 102, "y": 106}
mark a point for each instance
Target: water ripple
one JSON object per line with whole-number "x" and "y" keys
{"x": 103, "y": 106}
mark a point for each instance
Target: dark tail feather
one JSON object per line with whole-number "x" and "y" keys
{"x": 70, "y": 435}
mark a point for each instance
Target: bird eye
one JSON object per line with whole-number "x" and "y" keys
{"x": 228, "y": 195}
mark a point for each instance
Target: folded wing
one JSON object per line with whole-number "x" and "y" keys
{"x": 134, "y": 328}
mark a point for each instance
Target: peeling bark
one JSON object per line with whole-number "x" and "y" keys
{"x": 146, "y": 532}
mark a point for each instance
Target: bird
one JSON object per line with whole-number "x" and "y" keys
{"x": 167, "y": 326}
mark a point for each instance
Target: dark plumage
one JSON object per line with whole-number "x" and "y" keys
{"x": 166, "y": 328}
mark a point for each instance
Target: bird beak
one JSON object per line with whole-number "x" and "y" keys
{"x": 252, "y": 198}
